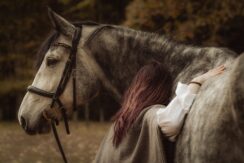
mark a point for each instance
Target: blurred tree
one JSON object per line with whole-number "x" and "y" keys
{"x": 19, "y": 33}
{"x": 203, "y": 22}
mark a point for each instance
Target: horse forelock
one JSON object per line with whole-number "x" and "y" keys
{"x": 45, "y": 46}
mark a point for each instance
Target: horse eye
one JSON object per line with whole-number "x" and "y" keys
{"x": 51, "y": 61}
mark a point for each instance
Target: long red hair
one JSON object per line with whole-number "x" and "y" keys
{"x": 151, "y": 85}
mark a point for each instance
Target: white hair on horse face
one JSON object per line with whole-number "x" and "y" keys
{"x": 47, "y": 78}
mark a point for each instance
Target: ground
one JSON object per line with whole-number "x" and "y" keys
{"x": 80, "y": 146}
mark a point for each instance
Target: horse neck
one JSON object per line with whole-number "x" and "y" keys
{"x": 121, "y": 52}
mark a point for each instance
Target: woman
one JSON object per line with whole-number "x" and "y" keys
{"x": 143, "y": 121}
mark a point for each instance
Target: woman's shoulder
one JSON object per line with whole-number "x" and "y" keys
{"x": 147, "y": 117}
{"x": 150, "y": 112}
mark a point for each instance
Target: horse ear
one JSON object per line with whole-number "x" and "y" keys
{"x": 60, "y": 24}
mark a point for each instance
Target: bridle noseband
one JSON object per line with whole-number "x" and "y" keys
{"x": 69, "y": 70}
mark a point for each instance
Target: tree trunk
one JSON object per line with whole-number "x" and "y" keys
{"x": 87, "y": 114}
{"x": 101, "y": 114}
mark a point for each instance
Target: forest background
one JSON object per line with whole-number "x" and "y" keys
{"x": 25, "y": 24}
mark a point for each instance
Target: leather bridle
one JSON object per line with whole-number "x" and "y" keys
{"x": 69, "y": 70}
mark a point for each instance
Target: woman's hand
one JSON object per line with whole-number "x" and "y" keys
{"x": 211, "y": 73}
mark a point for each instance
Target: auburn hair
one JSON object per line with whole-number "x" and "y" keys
{"x": 151, "y": 85}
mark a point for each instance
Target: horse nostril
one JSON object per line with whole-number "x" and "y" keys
{"x": 23, "y": 122}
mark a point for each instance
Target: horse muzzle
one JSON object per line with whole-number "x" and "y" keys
{"x": 42, "y": 126}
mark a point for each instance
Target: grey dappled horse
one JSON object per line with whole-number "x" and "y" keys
{"x": 109, "y": 56}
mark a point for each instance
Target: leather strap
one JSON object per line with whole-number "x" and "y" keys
{"x": 55, "y": 133}
{"x": 40, "y": 92}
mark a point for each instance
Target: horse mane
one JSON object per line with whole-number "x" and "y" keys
{"x": 144, "y": 45}
{"x": 138, "y": 40}
{"x": 45, "y": 46}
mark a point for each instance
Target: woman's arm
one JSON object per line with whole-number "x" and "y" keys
{"x": 171, "y": 118}
{"x": 193, "y": 87}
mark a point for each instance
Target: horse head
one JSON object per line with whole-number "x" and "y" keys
{"x": 55, "y": 55}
